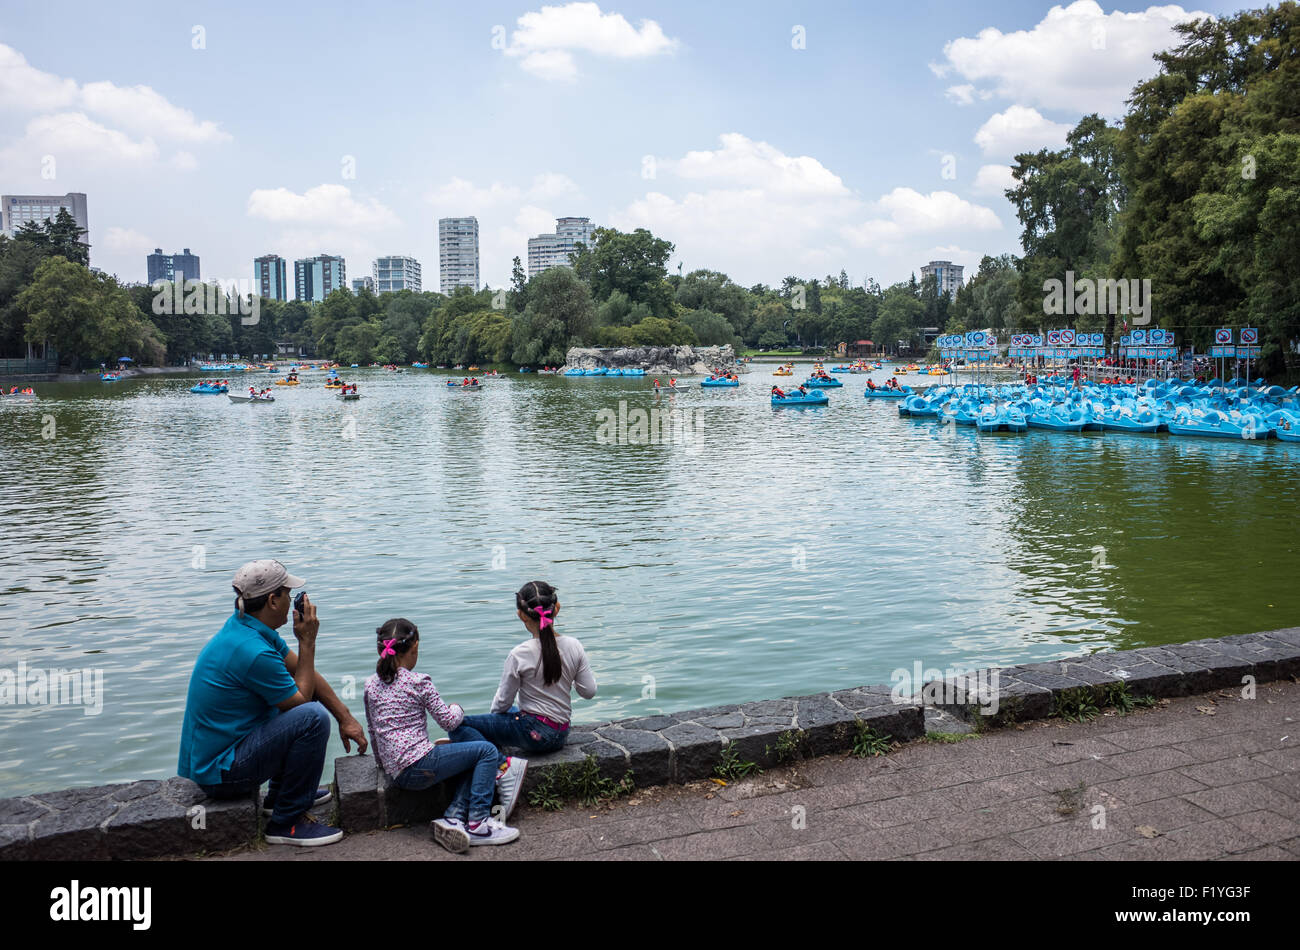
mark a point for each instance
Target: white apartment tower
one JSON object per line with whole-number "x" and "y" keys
{"x": 391, "y": 274}
{"x": 553, "y": 250}
{"x": 457, "y": 253}
{"x": 945, "y": 274}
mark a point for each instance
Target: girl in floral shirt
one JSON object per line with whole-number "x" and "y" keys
{"x": 397, "y": 701}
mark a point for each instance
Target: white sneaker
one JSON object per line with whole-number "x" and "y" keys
{"x": 509, "y": 783}
{"x": 491, "y": 831}
{"x": 451, "y": 834}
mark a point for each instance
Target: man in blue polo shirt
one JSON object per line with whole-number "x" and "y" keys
{"x": 258, "y": 711}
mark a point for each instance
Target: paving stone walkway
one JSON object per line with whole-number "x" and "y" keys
{"x": 1208, "y": 777}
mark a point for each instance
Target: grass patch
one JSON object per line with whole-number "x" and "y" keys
{"x": 732, "y": 767}
{"x": 582, "y": 782}
{"x": 950, "y": 737}
{"x": 1118, "y": 696}
{"x": 790, "y": 746}
{"x": 868, "y": 743}
{"x": 1075, "y": 705}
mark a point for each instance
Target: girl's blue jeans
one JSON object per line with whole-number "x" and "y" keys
{"x": 519, "y": 730}
{"x": 470, "y": 766}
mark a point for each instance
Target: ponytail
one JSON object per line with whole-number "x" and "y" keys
{"x": 537, "y": 600}
{"x": 393, "y": 639}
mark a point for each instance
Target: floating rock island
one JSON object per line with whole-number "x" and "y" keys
{"x": 655, "y": 360}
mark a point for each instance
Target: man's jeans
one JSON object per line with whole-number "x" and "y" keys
{"x": 290, "y": 751}
{"x": 514, "y": 729}
{"x": 470, "y": 766}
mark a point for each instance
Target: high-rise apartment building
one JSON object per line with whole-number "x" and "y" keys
{"x": 169, "y": 267}
{"x": 553, "y": 250}
{"x": 317, "y": 277}
{"x": 395, "y": 273}
{"x": 17, "y": 210}
{"x": 269, "y": 271}
{"x": 457, "y": 253}
{"x": 363, "y": 283}
{"x": 945, "y": 274}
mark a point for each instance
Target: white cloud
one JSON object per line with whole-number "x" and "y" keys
{"x": 76, "y": 135}
{"x": 1077, "y": 57}
{"x": 139, "y": 108}
{"x": 128, "y": 242}
{"x": 993, "y": 179}
{"x": 937, "y": 211}
{"x": 185, "y": 161}
{"x": 552, "y": 185}
{"x": 26, "y": 87}
{"x": 909, "y": 213}
{"x": 758, "y": 164}
{"x": 144, "y": 110}
{"x": 755, "y": 213}
{"x": 966, "y": 94}
{"x": 546, "y": 38}
{"x": 330, "y": 206}
{"x": 554, "y": 64}
{"x": 462, "y": 197}
{"x": 1019, "y": 129}
{"x": 507, "y": 241}
{"x": 962, "y": 95}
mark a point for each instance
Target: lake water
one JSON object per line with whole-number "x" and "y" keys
{"x": 774, "y": 552}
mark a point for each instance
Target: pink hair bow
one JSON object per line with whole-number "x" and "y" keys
{"x": 544, "y": 618}
{"x": 388, "y": 649}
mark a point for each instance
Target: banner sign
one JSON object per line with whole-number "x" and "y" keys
{"x": 1220, "y": 352}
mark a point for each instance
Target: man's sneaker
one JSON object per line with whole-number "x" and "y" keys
{"x": 490, "y": 831}
{"x": 323, "y": 797}
{"x": 509, "y": 783}
{"x": 451, "y": 834}
{"x": 305, "y": 833}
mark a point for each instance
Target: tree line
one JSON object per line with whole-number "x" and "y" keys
{"x": 1196, "y": 189}
{"x": 617, "y": 292}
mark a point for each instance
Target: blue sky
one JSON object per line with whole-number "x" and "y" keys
{"x": 761, "y": 139}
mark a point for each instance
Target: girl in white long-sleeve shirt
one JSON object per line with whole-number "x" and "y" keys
{"x": 541, "y": 672}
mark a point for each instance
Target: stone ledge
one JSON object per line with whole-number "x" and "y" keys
{"x": 151, "y": 819}
{"x": 657, "y": 750}
{"x": 1031, "y": 690}
{"x": 131, "y": 821}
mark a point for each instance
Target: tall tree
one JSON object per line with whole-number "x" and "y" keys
{"x": 1211, "y": 152}
{"x": 61, "y": 236}
{"x": 632, "y": 263}
{"x": 518, "y": 287}
{"x": 86, "y": 316}
{"x": 1068, "y": 203}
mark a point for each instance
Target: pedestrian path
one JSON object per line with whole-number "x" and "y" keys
{"x": 1208, "y": 777}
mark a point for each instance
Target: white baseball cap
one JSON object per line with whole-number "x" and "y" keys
{"x": 262, "y": 577}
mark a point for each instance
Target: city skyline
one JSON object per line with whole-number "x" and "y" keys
{"x": 696, "y": 124}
